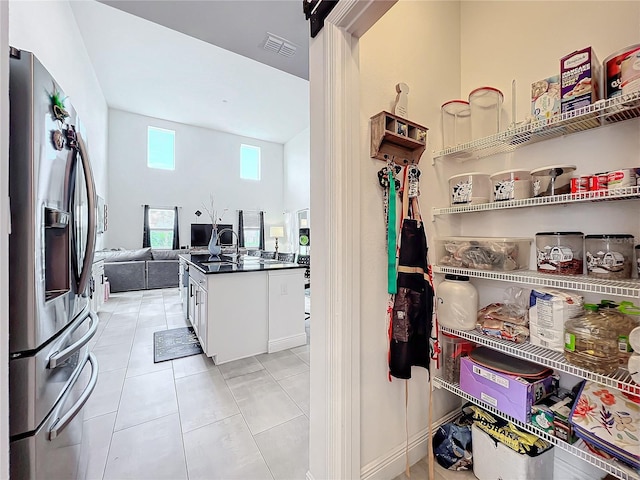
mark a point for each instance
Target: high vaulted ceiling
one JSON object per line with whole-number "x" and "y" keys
{"x": 239, "y": 26}
{"x": 153, "y": 70}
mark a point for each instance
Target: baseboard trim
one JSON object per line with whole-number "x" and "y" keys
{"x": 287, "y": 342}
{"x": 389, "y": 465}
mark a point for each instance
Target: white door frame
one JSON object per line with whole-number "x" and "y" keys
{"x": 4, "y": 239}
{"x": 334, "y": 427}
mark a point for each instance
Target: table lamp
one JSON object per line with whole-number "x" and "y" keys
{"x": 276, "y": 232}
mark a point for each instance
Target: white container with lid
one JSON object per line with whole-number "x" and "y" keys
{"x": 551, "y": 180}
{"x": 511, "y": 185}
{"x": 472, "y": 187}
{"x": 486, "y": 106}
{"x": 456, "y": 123}
{"x": 457, "y": 302}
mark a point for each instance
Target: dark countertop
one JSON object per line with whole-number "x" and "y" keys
{"x": 211, "y": 264}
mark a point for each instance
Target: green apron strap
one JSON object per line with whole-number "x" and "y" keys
{"x": 391, "y": 239}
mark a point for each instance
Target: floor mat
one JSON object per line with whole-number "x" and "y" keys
{"x": 175, "y": 343}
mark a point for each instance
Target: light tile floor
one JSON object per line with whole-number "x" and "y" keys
{"x": 188, "y": 418}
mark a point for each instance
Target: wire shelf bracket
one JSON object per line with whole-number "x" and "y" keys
{"x": 581, "y": 283}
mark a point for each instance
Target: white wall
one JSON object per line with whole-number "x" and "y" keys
{"x": 207, "y": 162}
{"x": 417, "y": 43}
{"x": 4, "y": 240}
{"x": 296, "y": 183}
{"x": 48, "y": 29}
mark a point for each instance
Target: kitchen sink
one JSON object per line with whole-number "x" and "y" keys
{"x": 221, "y": 263}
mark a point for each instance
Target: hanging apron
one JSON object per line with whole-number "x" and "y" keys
{"x": 413, "y": 304}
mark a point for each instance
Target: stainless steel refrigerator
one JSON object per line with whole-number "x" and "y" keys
{"x": 51, "y": 245}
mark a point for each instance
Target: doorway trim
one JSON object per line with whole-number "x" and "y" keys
{"x": 334, "y": 426}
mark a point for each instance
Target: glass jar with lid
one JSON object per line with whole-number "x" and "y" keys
{"x": 486, "y": 108}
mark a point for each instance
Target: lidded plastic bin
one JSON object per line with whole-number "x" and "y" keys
{"x": 472, "y": 187}
{"x": 483, "y": 253}
{"x": 456, "y": 123}
{"x": 486, "y": 106}
{"x": 511, "y": 185}
{"x": 453, "y": 349}
{"x": 560, "y": 252}
{"x": 551, "y": 180}
{"x": 457, "y": 302}
{"x": 609, "y": 256}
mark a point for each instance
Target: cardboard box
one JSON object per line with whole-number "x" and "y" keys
{"x": 494, "y": 460}
{"x": 509, "y": 394}
{"x": 545, "y": 98}
{"x": 579, "y": 79}
{"x": 561, "y": 412}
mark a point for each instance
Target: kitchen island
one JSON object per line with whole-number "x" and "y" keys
{"x": 239, "y": 308}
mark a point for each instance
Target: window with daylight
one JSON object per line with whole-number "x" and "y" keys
{"x": 249, "y": 162}
{"x": 162, "y": 222}
{"x": 161, "y": 148}
{"x": 251, "y": 229}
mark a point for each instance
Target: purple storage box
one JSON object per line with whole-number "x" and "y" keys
{"x": 509, "y": 394}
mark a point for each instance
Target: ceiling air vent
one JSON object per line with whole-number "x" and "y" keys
{"x": 280, "y": 45}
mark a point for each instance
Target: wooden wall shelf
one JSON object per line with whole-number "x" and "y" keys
{"x": 397, "y": 137}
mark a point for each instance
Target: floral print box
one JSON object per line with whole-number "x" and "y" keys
{"x": 609, "y": 419}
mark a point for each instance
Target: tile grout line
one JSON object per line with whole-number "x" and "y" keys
{"x": 115, "y": 421}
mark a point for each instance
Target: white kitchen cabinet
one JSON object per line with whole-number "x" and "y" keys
{"x": 247, "y": 310}
{"x": 594, "y": 116}
{"x": 97, "y": 285}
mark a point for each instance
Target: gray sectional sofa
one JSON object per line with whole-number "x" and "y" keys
{"x": 140, "y": 269}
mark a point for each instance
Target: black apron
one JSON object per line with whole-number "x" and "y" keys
{"x": 413, "y": 304}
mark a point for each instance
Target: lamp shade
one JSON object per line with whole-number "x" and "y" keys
{"x": 276, "y": 232}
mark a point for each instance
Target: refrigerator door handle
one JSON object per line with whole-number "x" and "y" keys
{"x": 58, "y": 357}
{"x": 59, "y": 423}
{"x": 91, "y": 207}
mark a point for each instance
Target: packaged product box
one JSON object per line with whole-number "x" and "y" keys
{"x": 542, "y": 416}
{"x": 545, "y": 98}
{"x": 509, "y": 394}
{"x": 579, "y": 79}
{"x": 549, "y": 309}
{"x": 561, "y": 413}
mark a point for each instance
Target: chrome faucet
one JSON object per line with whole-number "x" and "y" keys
{"x": 237, "y": 239}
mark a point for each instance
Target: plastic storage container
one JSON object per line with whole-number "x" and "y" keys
{"x": 625, "y": 318}
{"x": 472, "y": 187}
{"x": 486, "y": 105}
{"x": 609, "y": 256}
{"x": 453, "y": 348}
{"x": 456, "y": 123}
{"x": 483, "y": 253}
{"x": 560, "y": 252}
{"x": 591, "y": 341}
{"x": 457, "y": 302}
{"x": 511, "y": 185}
{"x": 551, "y": 180}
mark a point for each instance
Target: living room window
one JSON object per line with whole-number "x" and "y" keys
{"x": 161, "y": 227}
{"x": 251, "y": 229}
{"x": 161, "y": 148}
{"x": 249, "y": 162}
